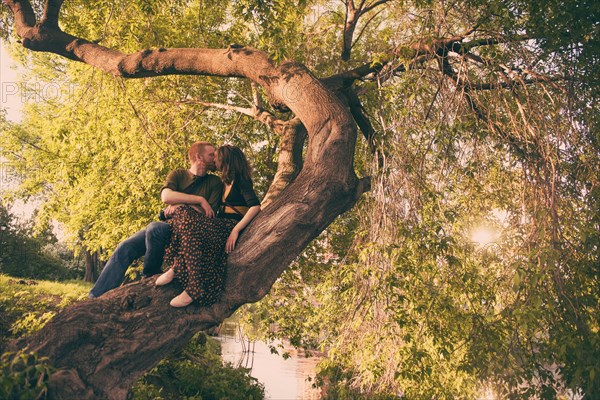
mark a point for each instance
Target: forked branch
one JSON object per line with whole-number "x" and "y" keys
{"x": 352, "y": 17}
{"x": 128, "y": 331}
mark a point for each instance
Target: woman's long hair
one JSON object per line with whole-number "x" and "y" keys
{"x": 234, "y": 165}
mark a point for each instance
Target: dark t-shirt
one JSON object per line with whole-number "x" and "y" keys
{"x": 239, "y": 199}
{"x": 242, "y": 194}
{"x": 210, "y": 187}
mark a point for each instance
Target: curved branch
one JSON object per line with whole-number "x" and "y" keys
{"x": 258, "y": 114}
{"x": 374, "y": 5}
{"x": 23, "y": 13}
{"x": 51, "y": 11}
{"x": 489, "y": 41}
{"x": 134, "y": 326}
{"x": 289, "y": 160}
{"x": 420, "y": 52}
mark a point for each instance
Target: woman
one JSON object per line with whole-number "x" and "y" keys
{"x": 199, "y": 244}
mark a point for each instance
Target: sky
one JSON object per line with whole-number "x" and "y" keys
{"x": 12, "y": 101}
{"x": 10, "y": 98}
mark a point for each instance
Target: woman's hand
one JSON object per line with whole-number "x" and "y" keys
{"x": 233, "y": 236}
{"x": 231, "y": 240}
{"x": 206, "y": 207}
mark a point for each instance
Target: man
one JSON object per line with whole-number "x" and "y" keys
{"x": 192, "y": 186}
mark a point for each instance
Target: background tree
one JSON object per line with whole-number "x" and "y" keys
{"x": 26, "y": 255}
{"x": 474, "y": 113}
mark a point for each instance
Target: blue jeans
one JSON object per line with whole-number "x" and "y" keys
{"x": 150, "y": 243}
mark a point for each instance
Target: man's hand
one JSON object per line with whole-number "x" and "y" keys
{"x": 207, "y": 208}
{"x": 170, "y": 210}
{"x": 175, "y": 199}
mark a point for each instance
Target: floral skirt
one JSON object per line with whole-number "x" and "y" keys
{"x": 197, "y": 253}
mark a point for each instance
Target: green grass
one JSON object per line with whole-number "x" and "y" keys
{"x": 194, "y": 372}
{"x": 26, "y": 304}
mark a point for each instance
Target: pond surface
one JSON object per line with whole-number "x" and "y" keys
{"x": 283, "y": 379}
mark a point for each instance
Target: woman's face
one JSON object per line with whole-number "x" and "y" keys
{"x": 218, "y": 160}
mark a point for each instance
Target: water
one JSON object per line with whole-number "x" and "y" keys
{"x": 283, "y": 379}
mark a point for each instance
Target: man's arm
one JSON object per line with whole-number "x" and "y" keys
{"x": 172, "y": 191}
{"x": 172, "y": 197}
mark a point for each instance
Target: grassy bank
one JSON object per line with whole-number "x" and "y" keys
{"x": 195, "y": 372}
{"x": 26, "y": 305}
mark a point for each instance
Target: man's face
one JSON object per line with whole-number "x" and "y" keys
{"x": 207, "y": 158}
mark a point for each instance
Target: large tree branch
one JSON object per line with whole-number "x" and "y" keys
{"x": 513, "y": 83}
{"x": 458, "y": 44}
{"x": 350, "y": 21}
{"x": 104, "y": 345}
{"x": 23, "y": 13}
{"x": 289, "y": 160}
{"x": 51, "y": 11}
{"x": 147, "y": 63}
{"x": 421, "y": 51}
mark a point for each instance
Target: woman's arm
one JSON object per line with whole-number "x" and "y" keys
{"x": 233, "y": 236}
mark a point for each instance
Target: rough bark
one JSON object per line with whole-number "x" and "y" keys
{"x": 92, "y": 264}
{"x": 102, "y": 346}
{"x": 289, "y": 161}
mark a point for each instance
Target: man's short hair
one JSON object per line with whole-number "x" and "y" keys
{"x": 197, "y": 148}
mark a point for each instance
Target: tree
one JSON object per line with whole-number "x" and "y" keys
{"x": 25, "y": 255}
{"x": 470, "y": 57}
{"x": 252, "y": 269}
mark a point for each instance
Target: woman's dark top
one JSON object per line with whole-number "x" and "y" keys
{"x": 239, "y": 199}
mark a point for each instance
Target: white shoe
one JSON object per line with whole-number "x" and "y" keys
{"x": 165, "y": 278}
{"x": 182, "y": 300}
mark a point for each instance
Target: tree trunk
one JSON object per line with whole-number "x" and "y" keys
{"x": 92, "y": 262}
{"x": 102, "y": 346}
